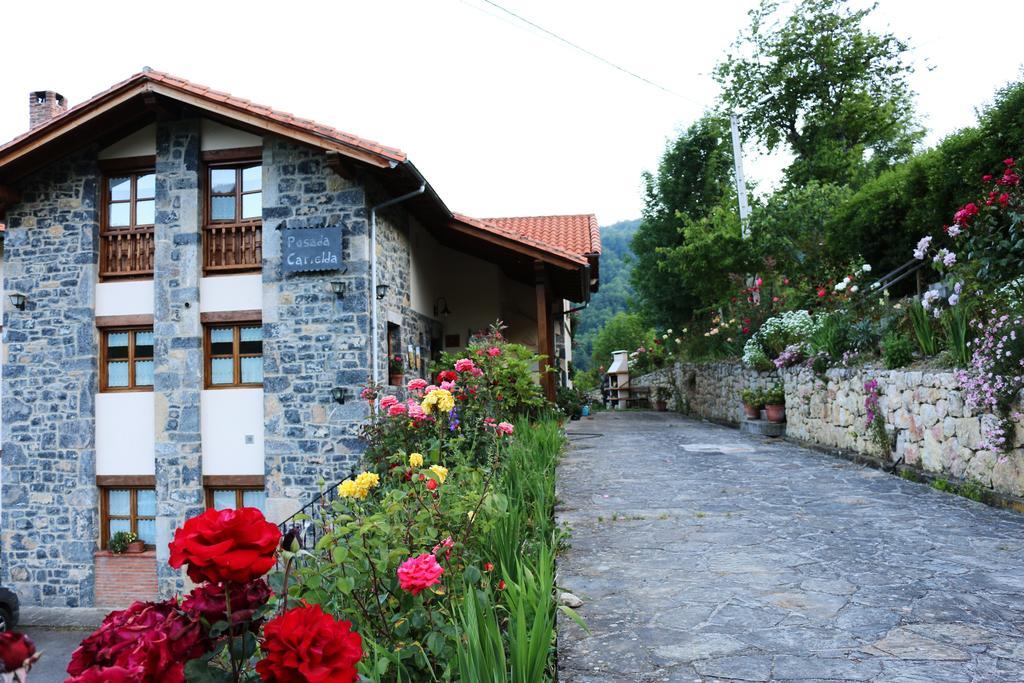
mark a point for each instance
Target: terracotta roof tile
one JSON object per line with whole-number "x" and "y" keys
{"x": 518, "y": 236}
{"x": 577, "y": 234}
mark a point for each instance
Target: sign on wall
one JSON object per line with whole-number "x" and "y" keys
{"x": 309, "y": 249}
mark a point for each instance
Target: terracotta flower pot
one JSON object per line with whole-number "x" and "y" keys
{"x": 751, "y": 412}
{"x": 136, "y": 547}
{"x": 776, "y": 413}
{"x": 395, "y": 380}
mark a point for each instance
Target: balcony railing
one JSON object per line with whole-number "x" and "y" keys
{"x": 126, "y": 253}
{"x": 232, "y": 247}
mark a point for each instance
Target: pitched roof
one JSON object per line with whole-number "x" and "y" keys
{"x": 490, "y": 226}
{"x": 150, "y": 80}
{"x": 577, "y": 233}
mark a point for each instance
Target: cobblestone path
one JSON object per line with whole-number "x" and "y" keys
{"x": 702, "y": 554}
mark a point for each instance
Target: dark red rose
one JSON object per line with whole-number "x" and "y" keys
{"x": 15, "y": 649}
{"x": 226, "y": 545}
{"x": 153, "y": 638}
{"x": 109, "y": 674}
{"x": 447, "y": 376}
{"x": 208, "y": 602}
{"x": 304, "y": 645}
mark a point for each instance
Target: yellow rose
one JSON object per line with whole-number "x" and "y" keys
{"x": 442, "y": 399}
{"x": 415, "y": 460}
{"x": 348, "y": 489}
{"x": 441, "y": 472}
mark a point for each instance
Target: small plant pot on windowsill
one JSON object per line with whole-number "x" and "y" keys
{"x": 751, "y": 412}
{"x": 776, "y": 412}
{"x": 136, "y": 547}
{"x": 396, "y": 379}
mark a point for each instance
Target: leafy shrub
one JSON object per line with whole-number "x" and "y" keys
{"x": 956, "y": 328}
{"x": 897, "y": 351}
{"x": 830, "y": 335}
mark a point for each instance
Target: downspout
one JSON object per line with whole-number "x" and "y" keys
{"x": 375, "y": 335}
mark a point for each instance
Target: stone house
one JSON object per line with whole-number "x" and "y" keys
{"x": 195, "y": 289}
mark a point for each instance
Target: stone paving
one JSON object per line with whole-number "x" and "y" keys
{"x": 703, "y": 554}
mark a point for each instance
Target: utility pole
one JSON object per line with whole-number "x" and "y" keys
{"x": 741, "y": 185}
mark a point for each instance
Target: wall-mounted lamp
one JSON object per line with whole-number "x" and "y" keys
{"x": 338, "y": 287}
{"x": 382, "y": 291}
{"x": 339, "y": 394}
{"x": 18, "y": 300}
{"x": 441, "y": 307}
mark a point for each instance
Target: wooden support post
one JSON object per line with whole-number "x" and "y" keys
{"x": 545, "y": 335}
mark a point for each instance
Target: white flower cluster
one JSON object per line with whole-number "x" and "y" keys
{"x": 782, "y": 330}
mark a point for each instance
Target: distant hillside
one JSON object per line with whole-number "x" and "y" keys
{"x": 616, "y": 292}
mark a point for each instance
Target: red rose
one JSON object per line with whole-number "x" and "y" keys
{"x": 109, "y": 674}
{"x": 488, "y": 566}
{"x": 153, "y": 638}
{"x": 15, "y": 650}
{"x": 986, "y": 178}
{"x": 306, "y": 645}
{"x": 501, "y": 584}
{"x": 208, "y": 602}
{"x": 226, "y": 545}
{"x": 432, "y": 484}
{"x": 447, "y": 376}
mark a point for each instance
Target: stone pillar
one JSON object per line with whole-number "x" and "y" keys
{"x": 50, "y": 511}
{"x": 178, "y": 348}
{"x": 313, "y": 341}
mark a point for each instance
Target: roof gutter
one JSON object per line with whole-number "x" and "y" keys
{"x": 375, "y": 335}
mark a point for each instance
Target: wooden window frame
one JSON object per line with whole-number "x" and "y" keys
{"x": 133, "y": 170}
{"x": 236, "y": 355}
{"x": 104, "y": 357}
{"x": 238, "y": 490}
{"x": 236, "y": 160}
{"x": 133, "y": 511}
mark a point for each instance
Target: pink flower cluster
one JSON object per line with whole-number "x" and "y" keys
{"x": 996, "y": 374}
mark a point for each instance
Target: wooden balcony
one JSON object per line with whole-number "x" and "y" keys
{"x": 232, "y": 247}
{"x": 126, "y": 254}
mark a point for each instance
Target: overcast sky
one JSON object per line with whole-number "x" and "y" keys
{"x": 501, "y": 119}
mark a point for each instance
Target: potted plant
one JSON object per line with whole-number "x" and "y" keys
{"x": 120, "y": 542}
{"x": 661, "y": 396}
{"x": 775, "y": 403}
{"x": 753, "y": 400}
{"x": 396, "y": 370}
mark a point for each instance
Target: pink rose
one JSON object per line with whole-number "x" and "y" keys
{"x": 416, "y": 385}
{"x": 505, "y": 428}
{"x": 477, "y": 372}
{"x": 415, "y": 410}
{"x": 387, "y": 402}
{"x": 448, "y": 386}
{"x": 419, "y": 573}
{"x": 464, "y": 365}
{"x": 396, "y": 410}
{"x": 493, "y": 351}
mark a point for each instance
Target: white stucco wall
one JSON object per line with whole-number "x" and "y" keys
{"x": 131, "y": 297}
{"x": 141, "y": 143}
{"x": 125, "y": 433}
{"x": 231, "y": 293}
{"x": 230, "y": 417}
{"x": 218, "y": 136}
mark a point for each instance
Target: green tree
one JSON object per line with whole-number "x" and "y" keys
{"x": 624, "y": 331}
{"x": 818, "y": 83}
{"x": 694, "y": 174}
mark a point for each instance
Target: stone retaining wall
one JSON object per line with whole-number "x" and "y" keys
{"x": 924, "y": 411}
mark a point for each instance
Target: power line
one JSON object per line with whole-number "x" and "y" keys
{"x": 592, "y": 55}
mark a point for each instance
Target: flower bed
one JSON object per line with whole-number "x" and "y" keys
{"x": 436, "y": 563}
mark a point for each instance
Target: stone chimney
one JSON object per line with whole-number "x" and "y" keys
{"x": 43, "y": 105}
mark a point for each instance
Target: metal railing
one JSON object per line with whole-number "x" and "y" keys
{"x": 897, "y": 275}
{"x": 307, "y": 525}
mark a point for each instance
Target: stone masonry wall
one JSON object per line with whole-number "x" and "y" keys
{"x": 313, "y": 340}
{"x": 931, "y": 428}
{"x": 178, "y": 347}
{"x": 50, "y": 511}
